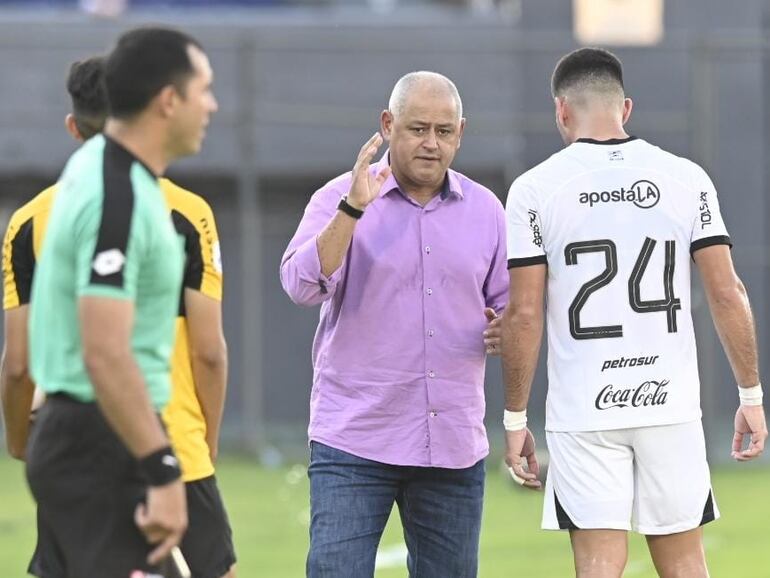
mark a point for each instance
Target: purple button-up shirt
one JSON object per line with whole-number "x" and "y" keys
{"x": 398, "y": 357}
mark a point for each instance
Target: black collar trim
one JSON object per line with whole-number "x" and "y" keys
{"x": 113, "y": 143}
{"x": 612, "y": 141}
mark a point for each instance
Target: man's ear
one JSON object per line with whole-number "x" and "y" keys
{"x": 166, "y": 100}
{"x": 72, "y": 127}
{"x": 386, "y": 124}
{"x": 562, "y": 110}
{"x": 628, "y": 106}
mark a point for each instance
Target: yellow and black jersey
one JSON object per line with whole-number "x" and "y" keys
{"x": 194, "y": 221}
{"x": 21, "y": 246}
{"x": 183, "y": 416}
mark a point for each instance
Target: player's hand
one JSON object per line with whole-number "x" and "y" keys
{"x": 520, "y": 458}
{"x": 365, "y": 187}
{"x": 749, "y": 420}
{"x": 493, "y": 332}
{"x": 163, "y": 519}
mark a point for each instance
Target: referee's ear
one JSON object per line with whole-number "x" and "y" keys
{"x": 72, "y": 127}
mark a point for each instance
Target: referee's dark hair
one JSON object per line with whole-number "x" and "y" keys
{"x": 85, "y": 84}
{"x": 143, "y": 62}
{"x": 586, "y": 66}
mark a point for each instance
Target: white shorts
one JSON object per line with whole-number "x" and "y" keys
{"x": 654, "y": 480}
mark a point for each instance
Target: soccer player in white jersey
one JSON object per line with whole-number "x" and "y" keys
{"x": 603, "y": 232}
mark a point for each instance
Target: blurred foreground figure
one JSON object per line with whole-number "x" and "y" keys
{"x": 198, "y": 364}
{"x": 606, "y": 229}
{"x": 407, "y": 259}
{"x": 105, "y": 295}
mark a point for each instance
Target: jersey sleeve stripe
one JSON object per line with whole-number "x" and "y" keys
{"x": 527, "y": 261}
{"x": 193, "y": 268}
{"x": 193, "y": 271}
{"x": 709, "y": 242}
{"x": 23, "y": 261}
{"x": 117, "y": 213}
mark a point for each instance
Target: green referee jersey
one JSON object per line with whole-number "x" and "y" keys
{"x": 109, "y": 235}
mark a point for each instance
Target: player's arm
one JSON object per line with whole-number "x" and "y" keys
{"x": 16, "y": 386}
{"x": 522, "y": 325}
{"x": 734, "y": 322}
{"x": 208, "y": 356}
{"x": 522, "y": 332}
{"x": 203, "y": 280}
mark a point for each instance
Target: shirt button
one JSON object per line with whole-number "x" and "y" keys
{"x": 430, "y": 332}
{"x": 429, "y": 291}
{"x": 431, "y": 373}
{"x": 433, "y": 414}
{"x": 427, "y": 249}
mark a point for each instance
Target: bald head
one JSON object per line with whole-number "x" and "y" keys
{"x": 431, "y": 82}
{"x": 589, "y": 75}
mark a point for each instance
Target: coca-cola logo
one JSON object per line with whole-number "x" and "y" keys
{"x": 648, "y": 393}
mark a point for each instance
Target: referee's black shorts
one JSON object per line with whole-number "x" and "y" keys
{"x": 208, "y": 544}
{"x": 87, "y": 486}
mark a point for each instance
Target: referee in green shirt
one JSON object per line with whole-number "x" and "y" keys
{"x": 104, "y": 299}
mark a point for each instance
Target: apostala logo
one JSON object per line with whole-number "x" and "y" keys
{"x": 647, "y": 394}
{"x": 644, "y": 194}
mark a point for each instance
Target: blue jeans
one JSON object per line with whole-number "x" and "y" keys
{"x": 350, "y": 502}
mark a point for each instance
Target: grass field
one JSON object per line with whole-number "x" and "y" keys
{"x": 269, "y": 514}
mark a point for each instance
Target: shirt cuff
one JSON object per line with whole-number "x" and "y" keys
{"x": 527, "y": 261}
{"x": 704, "y": 242}
{"x": 308, "y": 262}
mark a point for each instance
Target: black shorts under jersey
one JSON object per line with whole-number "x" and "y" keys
{"x": 87, "y": 487}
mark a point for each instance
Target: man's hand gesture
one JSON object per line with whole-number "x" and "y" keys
{"x": 365, "y": 186}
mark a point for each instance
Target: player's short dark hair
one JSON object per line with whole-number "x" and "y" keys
{"x": 586, "y": 65}
{"x": 143, "y": 62}
{"x": 85, "y": 84}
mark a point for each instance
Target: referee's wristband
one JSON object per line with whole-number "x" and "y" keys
{"x": 514, "y": 420}
{"x": 349, "y": 209}
{"x": 160, "y": 467}
{"x": 750, "y": 395}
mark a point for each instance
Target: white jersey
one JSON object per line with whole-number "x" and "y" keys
{"x": 616, "y": 222}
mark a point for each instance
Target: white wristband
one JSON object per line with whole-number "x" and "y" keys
{"x": 750, "y": 395}
{"x": 514, "y": 420}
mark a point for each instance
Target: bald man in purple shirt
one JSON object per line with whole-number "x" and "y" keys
{"x": 408, "y": 261}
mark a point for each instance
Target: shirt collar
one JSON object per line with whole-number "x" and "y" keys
{"x": 611, "y": 141}
{"x": 451, "y": 181}
{"x": 111, "y": 142}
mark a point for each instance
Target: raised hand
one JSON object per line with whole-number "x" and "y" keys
{"x": 365, "y": 187}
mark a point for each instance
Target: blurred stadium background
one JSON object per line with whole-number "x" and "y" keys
{"x": 300, "y": 85}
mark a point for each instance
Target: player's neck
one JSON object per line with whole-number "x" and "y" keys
{"x": 141, "y": 141}
{"x": 600, "y": 129}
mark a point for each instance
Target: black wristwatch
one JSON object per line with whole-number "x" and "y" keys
{"x": 349, "y": 209}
